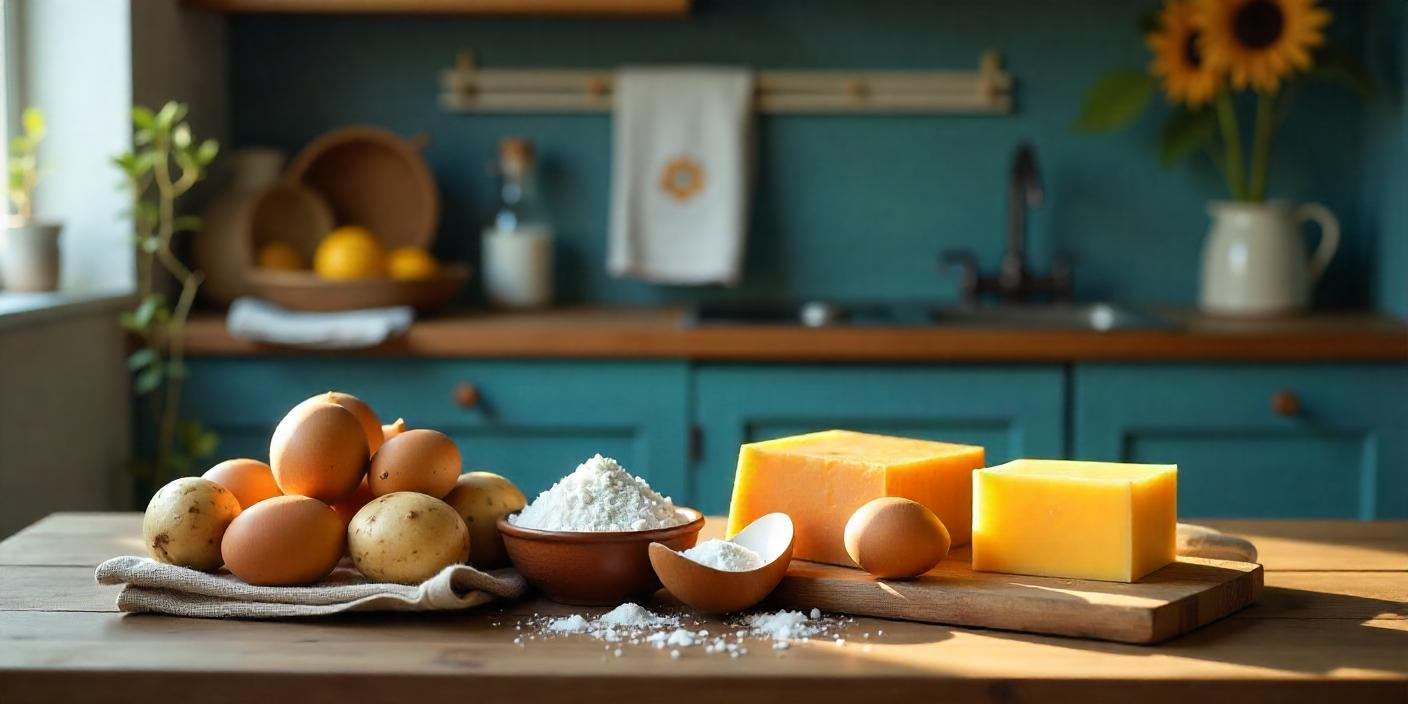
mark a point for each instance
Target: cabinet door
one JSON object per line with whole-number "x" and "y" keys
{"x": 1256, "y": 441}
{"x": 1011, "y": 411}
{"x": 531, "y": 421}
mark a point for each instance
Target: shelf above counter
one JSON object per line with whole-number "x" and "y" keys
{"x": 614, "y": 8}
{"x": 662, "y": 333}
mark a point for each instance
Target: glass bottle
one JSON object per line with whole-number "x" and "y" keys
{"x": 517, "y": 247}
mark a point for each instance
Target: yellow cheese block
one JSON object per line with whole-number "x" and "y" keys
{"x": 820, "y": 479}
{"x": 1078, "y": 520}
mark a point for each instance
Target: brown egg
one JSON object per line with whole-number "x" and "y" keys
{"x": 371, "y": 425}
{"x": 353, "y": 502}
{"x": 319, "y": 450}
{"x": 391, "y": 430}
{"x": 424, "y": 461}
{"x": 481, "y": 498}
{"x": 284, "y": 541}
{"x": 251, "y": 481}
{"x": 894, "y": 538}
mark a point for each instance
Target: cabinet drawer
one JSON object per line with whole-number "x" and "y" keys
{"x": 532, "y": 421}
{"x": 1011, "y": 411}
{"x": 1256, "y": 441}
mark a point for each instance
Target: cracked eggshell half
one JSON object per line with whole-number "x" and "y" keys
{"x": 707, "y": 589}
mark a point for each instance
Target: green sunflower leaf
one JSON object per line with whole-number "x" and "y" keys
{"x": 1184, "y": 132}
{"x": 1116, "y": 101}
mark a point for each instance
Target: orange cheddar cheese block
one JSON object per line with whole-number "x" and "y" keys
{"x": 1077, "y": 520}
{"x": 820, "y": 479}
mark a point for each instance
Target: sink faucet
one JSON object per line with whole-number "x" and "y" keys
{"x": 1014, "y": 282}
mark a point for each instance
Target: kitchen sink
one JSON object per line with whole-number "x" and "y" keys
{"x": 1097, "y": 316}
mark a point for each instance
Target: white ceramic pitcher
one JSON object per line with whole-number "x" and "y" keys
{"x": 1254, "y": 258}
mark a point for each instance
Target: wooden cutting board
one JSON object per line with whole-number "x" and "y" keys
{"x": 1172, "y": 601}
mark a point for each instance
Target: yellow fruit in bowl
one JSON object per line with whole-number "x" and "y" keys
{"x": 411, "y": 263}
{"x": 281, "y": 256}
{"x": 348, "y": 253}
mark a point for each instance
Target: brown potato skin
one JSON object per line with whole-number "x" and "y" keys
{"x": 185, "y": 522}
{"x": 481, "y": 498}
{"x": 406, "y": 538}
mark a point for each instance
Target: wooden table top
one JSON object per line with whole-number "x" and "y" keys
{"x": 1332, "y": 625}
{"x": 662, "y": 333}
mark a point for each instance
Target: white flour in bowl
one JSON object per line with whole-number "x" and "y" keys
{"x": 599, "y": 496}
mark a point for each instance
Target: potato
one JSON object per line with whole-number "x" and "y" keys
{"x": 406, "y": 537}
{"x": 481, "y": 498}
{"x": 185, "y": 522}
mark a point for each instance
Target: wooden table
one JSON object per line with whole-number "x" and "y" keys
{"x": 1332, "y": 625}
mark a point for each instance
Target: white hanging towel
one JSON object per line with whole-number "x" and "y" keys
{"x": 680, "y": 174}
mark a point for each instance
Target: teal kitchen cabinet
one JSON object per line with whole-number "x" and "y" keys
{"x": 533, "y": 421}
{"x": 1012, "y": 411}
{"x": 1270, "y": 440}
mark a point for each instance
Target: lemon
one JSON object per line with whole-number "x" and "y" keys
{"x": 281, "y": 256}
{"x": 411, "y": 263}
{"x": 349, "y": 252}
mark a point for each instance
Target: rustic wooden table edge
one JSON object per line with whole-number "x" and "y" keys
{"x": 1353, "y": 620}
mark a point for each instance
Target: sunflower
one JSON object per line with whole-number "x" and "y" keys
{"x": 1178, "y": 56}
{"x": 1259, "y": 42}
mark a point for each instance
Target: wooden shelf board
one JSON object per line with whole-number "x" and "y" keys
{"x": 451, "y": 7}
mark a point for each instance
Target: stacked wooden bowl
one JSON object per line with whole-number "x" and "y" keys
{"x": 358, "y": 175}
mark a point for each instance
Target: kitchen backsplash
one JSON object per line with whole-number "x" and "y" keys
{"x": 853, "y": 207}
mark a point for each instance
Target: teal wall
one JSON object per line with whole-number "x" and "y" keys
{"x": 1386, "y": 197}
{"x": 849, "y": 207}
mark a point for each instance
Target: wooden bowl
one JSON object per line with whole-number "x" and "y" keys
{"x": 706, "y": 589}
{"x": 596, "y": 568}
{"x": 304, "y": 290}
{"x": 376, "y": 179}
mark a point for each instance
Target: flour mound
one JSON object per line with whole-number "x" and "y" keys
{"x": 599, "y": 496}
{"x": 724, "y": 555}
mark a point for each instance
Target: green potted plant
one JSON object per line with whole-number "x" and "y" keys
{"x": 1215, "y": 59}
{"x": 165, "y": 163}
{"x": 30, "y": 260}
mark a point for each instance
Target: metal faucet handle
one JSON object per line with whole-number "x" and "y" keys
{"x": 967, "y": 265}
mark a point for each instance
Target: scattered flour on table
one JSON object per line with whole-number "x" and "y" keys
{"x": 599, "y": 496}
{"x": 634, "y": 625}
{"x": 724, "y": 555}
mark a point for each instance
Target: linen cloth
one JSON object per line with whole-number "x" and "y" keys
{"x": 680, "y": 174}
{"x": 155, "y": 587}
{"x": 262, "y": 321}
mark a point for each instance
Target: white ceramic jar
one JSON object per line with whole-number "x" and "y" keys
{"x": 29, "y": 257}
{"x": 1254, "y": 258}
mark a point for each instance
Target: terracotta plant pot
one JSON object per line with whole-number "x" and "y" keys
{"x": 29, "y": 259}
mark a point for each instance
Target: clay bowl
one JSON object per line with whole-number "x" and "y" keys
{"x": 706, "y": 589}
{"x": 594, "y": 569}
{"x": 304, "y": 290}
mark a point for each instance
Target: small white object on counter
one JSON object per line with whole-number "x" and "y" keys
{"x": 262, "y": 321}
{"x": 724, "y": 555}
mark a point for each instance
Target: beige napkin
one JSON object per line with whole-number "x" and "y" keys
{"x": 154, "y": 587}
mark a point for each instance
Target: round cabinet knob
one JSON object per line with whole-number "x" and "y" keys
{"x": 466, "y": 395}
{"x": 1286, "y": 403}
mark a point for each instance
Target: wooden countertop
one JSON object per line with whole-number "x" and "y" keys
{"x": 1332, "y": 625}
{"x": 661, "y": 333}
